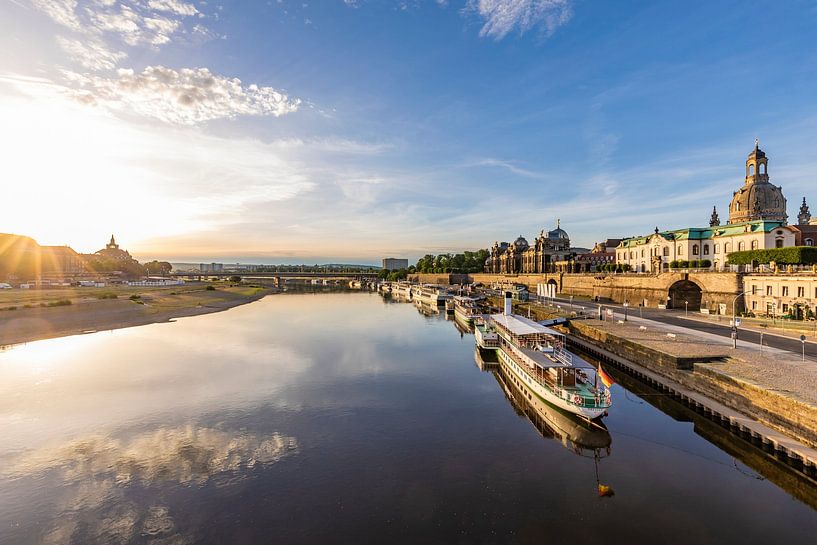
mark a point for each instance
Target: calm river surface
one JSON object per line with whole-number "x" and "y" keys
{"x": 341, "y": 418}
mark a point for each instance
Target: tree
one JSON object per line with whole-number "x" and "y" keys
{"x": 235, "y": 279}
{"x": 158, "y": 267}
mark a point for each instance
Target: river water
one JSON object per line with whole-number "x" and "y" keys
{"x": 344, "y": 418}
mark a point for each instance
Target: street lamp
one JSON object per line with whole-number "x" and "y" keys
{"x": 734, "y": 321}
{"x": 686, "y": 308}
{"x": 626, "y": 304}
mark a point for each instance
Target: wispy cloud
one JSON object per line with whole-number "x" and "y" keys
{"x": 502, "y": 17}
{"x": 186, "y": 96}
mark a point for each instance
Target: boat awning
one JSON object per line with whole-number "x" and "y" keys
{"x": 543, "y": 361}
{"x": 519, "y": 325}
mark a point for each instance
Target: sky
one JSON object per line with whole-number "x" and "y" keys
{"x": 351, "y": 130}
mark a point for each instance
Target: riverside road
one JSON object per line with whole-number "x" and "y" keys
{"x": 677, "y": 318}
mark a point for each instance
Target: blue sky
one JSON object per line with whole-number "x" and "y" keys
{"x": 349, "y": 131}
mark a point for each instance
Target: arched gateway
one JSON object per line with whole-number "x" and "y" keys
{"x": 685, "y": 291}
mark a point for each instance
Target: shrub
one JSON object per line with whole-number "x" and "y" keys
{"x": 135, "y": 297}
{"x": 673, "y": 264}
{"x": 794, "y": 255}
{"x": 694, "y": 264}
{"x": 59, "y": 303}
{"x": 683, "y": 264}
{"x": 210, "y": 288}
{"x": 106, "y": 296}
{"x": 705, "y": 264}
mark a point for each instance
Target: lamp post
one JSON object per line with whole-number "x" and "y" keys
{"x": 734, "y": 322}
{"x": 686, "y": 308}
{"x": 803, "y": 342}
{"x": 626, "y": 304}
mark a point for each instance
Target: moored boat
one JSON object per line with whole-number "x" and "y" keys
{"x": 466, "y": 309}
{"x": 536, "y": 356}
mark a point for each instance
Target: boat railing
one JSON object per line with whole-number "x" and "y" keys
{"x": 563, "y": 355}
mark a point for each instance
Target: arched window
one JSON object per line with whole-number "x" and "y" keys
{"x": 727, "y": 247}
{"x": 754, "y": 245}
{"x": 741, "y": 246}
{"x": 762, "y": 168}
{"x": 706, "y": 249}
{"x": 680, "y": 250}
{"x": 642, "y": 252}
{"x": 809, "y": 242}
{"x": 737, "y": 206}
{"x": 717, "y": 248}
{"x": 666, "y": 251}
{"x": 694, "y": 249}
{"x": 778, "y": 243}
{"x": 751, "y": 170}
{"x": 716, "y": 264}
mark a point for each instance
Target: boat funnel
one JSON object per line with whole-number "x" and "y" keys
{"x": 508, "y": 303}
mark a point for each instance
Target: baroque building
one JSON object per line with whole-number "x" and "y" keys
{"x": 757, "y": 199}
{"x": 520, "y": 257}
{"x": 757, "y": 220}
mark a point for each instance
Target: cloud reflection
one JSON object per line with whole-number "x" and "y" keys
{"x": 95, "y": 473}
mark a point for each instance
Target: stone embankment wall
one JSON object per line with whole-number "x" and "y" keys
{"x": 779, "y": 410}
{"x": 648, "y": 289}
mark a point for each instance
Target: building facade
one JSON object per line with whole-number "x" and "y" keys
{"x": 654, "y": 253}
{"x": 520, "y": 257}
{"x": 793, "y": 295}
{"x": 394, "y": 264}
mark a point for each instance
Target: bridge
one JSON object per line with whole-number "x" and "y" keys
{"x": 309, "y": 275}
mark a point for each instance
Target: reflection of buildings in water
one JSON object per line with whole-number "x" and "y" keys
{"x": 581, "y": 437}
{"x": 93, "y": 475}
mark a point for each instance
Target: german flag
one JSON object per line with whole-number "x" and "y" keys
{"x": 605, "y": 378}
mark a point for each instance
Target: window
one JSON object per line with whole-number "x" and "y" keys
{"x": 694, "y": 249}
{"x": 754, "y": 290}
{"x": 727, "y": 247}
{"x": 737, "y": 206}
{"x": 762, "y": 168}
{"x": 778, "y": 243}
{"x": 706, "y": 249}
{"x": 784, "y": 291}
{"x": 769, "y": 290}
{"x": 642, "y": 252}
{"x": 717, "y": 248}
{"x": 801, "y": 291}
{"x": 751, "y": 170}
{"x": 741, "y": 246}
{"x": 754, "y": 245}
{"x": 666, "y": 251}
{"x": 680, "y": 250}
{"x": 785, "y": 308}
{"x": 754, "y": 305}
{"x": 809, "y": 242}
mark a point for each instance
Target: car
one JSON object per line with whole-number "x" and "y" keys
{"x": 4, "y": 286}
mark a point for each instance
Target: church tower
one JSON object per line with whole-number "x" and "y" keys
{"x": 804, "y": 216}
{"x": 757, "y": 199}
{"x": 714, "y": 220}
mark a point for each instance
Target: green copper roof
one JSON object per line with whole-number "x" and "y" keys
{"x": 705, "y": 233}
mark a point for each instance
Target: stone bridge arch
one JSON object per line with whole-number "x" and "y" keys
{"x": 685, "y": 294}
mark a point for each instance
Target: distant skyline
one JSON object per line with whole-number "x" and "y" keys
{"x": 345, "y": 131}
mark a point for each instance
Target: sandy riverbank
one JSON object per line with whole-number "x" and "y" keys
{"x": 32, "y": 319}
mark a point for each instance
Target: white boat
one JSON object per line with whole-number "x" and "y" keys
{"x": 432, "y": 295}
{"x": 466, "y": 309}
{"x": 535, "y": 357}
{"x": 485, "y": 335}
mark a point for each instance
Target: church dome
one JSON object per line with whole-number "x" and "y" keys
{"x": 521, "y": 243}
{"x": 558, "y": 234}
{"x": 757, "y": 199}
